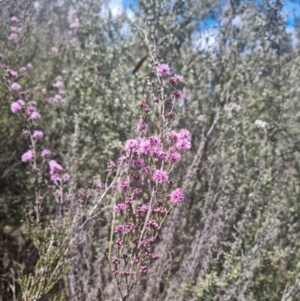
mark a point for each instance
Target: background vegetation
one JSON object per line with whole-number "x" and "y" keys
{"x": 236, "y": 236}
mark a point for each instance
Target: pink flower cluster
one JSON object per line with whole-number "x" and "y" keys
{"x": 56, "y": 172}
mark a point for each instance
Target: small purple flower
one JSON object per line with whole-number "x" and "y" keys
{"x": 46, "y": 153}
{"x": 57, "y": 98}
{"x": 55, "y": 170}
{"x": 163, "y": 155}
{"x": 120, "y": 228}
{"x": 120, "y": 207}
{"x": 183, "y": 145}
{"x": 138, "y": 162}
{"x": 37, "y": 135}
{"x": 29, "y": 66}
{"x": 185, "y": 134}
{"x": 140, "y": 127}
{"x": 13, "y": 37}
{"x": 54, "y": 50}
{"x": 177, "y": 95}
{"x": 173, "y": 136}
{"x": 143, "y": 208}
{"x": 154, "y": 140}
{"x": 131, "y": 144}
{"x": 15, "y": 87}
{"x": 58, "y": 84}
{"x": 176, "y": 79}
{"x": 156, "y": 151}
{"x": 66, "y": 177}
{"x": 27, "y": 156}
{"x": 15, "y": 107}
{"x": 137, "y": 191}
{"x": 154, "y": 256}
{"x": 111, "y": 165}
{"x": 163, "y": 70}
{"x": 145, "y": 147}
{"x": 21, "y": 102}
{"x": 100, "y": 185}
{"x": 75, "y": 24}
{"x": 115, "y": 261}
{"x": 123, "y": 186}
{"x": 177, "y": 196}
{"x": 143, "y": 269}
{"x": 13, "y": 73}
{"x": 35, "y": 115}
{"x": 30, "y": 110}
{"x": 160, "y": 176}
{"x": 174, "y": 157}
{"x": 14, "y": 19}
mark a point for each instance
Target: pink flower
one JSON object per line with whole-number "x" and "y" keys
{"x": 100, "y": 185}
{"x": 46, "y": 153}
{"x": 185, "y": 134}
{"x": 131, "y": 144}
{"x": 177, "y": 196}
{"x": 143, "y": 208}
{"x": 75, "y": 24}
{"x": 138, "y": 162}
{"x": 55, "y": 170}
{"x": 15, "y": 107}
{"x": 160, "y": 176}
{"x": 29, "y": 66}
{"x": 174, "y": 157}
{"x": 176, "y": 79}
{"x": 173, "y": 136}
{"x": 183, "y": 145}
{"x": 111, "y": 165}
{"x": 123, "y": 186}
{"x": 13, "y": 37}
{"x": 22, "y": 69}
{"x": 27, "y": 156}
{"x": 14, "y": 19}
{"x": 35, "y": 115}
{"x": 37, "y": 135}
{"x": 154, "y": 140}
{"x": 120, "y": 228}
{"x": 66, "y": 177}
{"x": 58, "y": 84}
{"x": 145, "y": 147}
{"x": 13, "y": 73}
{"x": 163, "y": 155}
{"x": 120, "y": 207}
{"x": 143, "y": 269}
{"x": 163, "y": 70}
{"x": 141, "y": 127}
{"x": 54, "y": 50}
{"x": 177, "y": 95}
{"x": 15, "y": 87}
{"x": 21, "y": 102}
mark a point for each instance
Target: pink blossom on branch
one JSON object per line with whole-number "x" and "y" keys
{"x": 160, "y": 176}
{"x": 177, "y": 196}
{"x": 177, "y": 95}
{"x": 15, "y": 87}
{"x": 46, "y": 153}
{"x": 37, "y": 135}
{"x": 28, "y": 156}
{"x": 15, "y": 107}
{"x": 163, "y": 70}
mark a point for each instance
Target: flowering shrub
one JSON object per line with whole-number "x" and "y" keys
{"x": 147, "y": 163}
